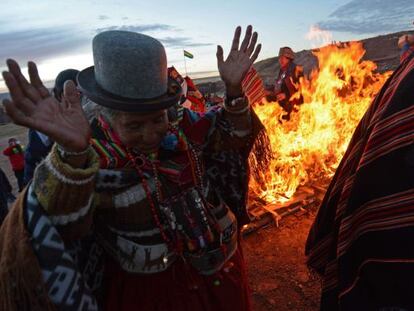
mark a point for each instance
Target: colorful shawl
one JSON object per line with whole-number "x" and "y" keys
{"x": 361, "y": 242}
{"x": 253, "y": 87}
{"x": 226, "y": 164}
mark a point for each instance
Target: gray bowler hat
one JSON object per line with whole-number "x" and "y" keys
{"x": 129, "y": 73}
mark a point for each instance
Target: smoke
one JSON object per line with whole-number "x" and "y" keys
{"x": 318, "y": 36}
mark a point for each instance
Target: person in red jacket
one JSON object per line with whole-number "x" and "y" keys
{"x": 15, "y": 153}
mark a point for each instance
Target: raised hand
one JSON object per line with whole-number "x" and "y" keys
{"x": 33, "y": 106}
{"x": 238, "y": 62}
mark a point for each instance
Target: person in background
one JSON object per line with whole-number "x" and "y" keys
{"x": 15, "y": 153}
{"x": 40, "y": 144}
{"x": 191, "y": 98}
{"x": 406, "y": 45}
{"x": 287, "y": 82}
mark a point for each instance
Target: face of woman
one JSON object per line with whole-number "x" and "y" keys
{"x": 144, "y": 131}
{"x": 283, "y": 61}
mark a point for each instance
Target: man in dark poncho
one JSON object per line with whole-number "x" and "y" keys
{"x": 361, "y": 242}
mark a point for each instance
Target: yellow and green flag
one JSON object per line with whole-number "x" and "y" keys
{"x": 188, "y": 54}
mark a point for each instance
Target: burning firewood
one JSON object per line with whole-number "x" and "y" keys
{"x": 308, "y": 148}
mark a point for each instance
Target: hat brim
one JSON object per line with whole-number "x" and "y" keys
{"x": 90, "y": 88}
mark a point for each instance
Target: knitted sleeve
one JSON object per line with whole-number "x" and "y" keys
{"x": 66, "y": 193}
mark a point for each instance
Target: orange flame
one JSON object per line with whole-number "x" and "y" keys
{"x": 308, "y": 148}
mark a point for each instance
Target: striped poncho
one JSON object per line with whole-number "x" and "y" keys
{"x": 361, "y": 242}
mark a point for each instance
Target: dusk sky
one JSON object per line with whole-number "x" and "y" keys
{"x": 57, "y": 34}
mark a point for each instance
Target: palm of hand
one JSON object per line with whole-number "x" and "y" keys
{"x": 65, "y": 124}
{"x": 240, "y": 59}
{"x": 34, "y": 107}
{"x": 235, "y": 67}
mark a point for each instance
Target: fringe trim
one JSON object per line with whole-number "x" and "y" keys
{"x": 260, "y": 156}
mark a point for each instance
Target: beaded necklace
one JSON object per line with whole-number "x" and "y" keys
{"x": 174, "y": 235}
{"x": 196, "y": 171}
{"x": 147, "y": 190}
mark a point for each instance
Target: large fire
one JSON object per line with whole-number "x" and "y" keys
{"x": 308, "y": 148}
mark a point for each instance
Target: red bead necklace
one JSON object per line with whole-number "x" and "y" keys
{"x": 196, "y": 176}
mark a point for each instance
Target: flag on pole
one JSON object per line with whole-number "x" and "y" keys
{"x": 188, "y": 54}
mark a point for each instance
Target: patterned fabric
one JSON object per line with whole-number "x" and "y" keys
{"x": 74, "y": 214}
{"x": 253, "y": 87}
{"x": 58, "y": 201}
{"x": 362, "y": 239}
{"x": 65, "y": 285}
{"x": 69, "y": 208}
{"x": 227, "y": 171}
{"x": 197, "y": 100}
{"x": 198, "y": 227}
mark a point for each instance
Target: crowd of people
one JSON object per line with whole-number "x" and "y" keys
{"x": 138, "y": 202}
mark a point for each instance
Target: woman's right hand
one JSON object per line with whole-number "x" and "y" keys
{"x": 33, "y": 106}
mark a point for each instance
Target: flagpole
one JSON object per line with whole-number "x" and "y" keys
{"x": 185, "y": 64}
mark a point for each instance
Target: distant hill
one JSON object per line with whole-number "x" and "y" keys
{"x": 382, "y": 50}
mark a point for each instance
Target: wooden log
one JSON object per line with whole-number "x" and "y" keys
{"x": 271, "y": 216}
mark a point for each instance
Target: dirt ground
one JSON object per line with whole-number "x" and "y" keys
{"x": 278, "y": 276}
